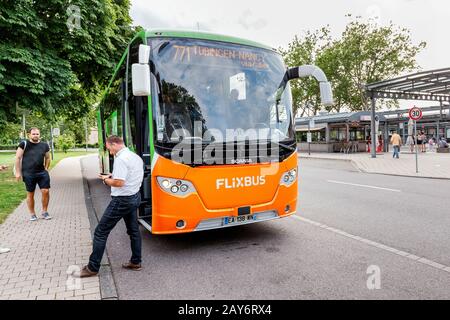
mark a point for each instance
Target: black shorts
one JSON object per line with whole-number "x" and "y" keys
{"x": 42, "y": 179}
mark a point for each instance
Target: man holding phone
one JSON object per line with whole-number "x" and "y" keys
{"x": 125, "y": 183}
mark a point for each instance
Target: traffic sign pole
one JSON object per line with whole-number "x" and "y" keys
{"x": 416, "y": 114}
{"x": 417, "y": 147}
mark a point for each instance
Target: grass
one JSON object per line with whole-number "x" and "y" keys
{"x": 12, "y": 193}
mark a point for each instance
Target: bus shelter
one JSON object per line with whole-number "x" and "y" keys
{"x": 434, "y": 124}
{"x": 431, "y": 85}
{"x": 340, "y": 132}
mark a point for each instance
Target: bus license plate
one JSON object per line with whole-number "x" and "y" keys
{"x": 237, "y": 220}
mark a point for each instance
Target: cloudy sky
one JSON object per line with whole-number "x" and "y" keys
{"x": 276, "y": 22}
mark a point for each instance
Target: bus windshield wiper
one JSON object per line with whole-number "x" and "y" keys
{"x": 277, "y": 143}
{"x": 290, "y": 148}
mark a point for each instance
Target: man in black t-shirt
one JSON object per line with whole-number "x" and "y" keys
{"x": 32, "y": 164}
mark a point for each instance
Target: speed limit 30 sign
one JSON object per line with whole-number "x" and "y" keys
{"x": 415, "y": 114}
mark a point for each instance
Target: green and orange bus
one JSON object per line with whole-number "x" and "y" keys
{"x": 211, "y": 116}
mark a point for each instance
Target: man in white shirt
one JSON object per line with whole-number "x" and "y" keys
{"x": 125, "y": 183}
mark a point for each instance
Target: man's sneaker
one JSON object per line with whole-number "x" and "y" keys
{"x": 4, "y": 250}
{"x": 46, "y": 216}
{"x": 132, "y": 266}
{"x": 33, "y": 218}
{"x": 86, "y": 273}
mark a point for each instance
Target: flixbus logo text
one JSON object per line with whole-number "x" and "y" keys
{"x": 244, "y": 182}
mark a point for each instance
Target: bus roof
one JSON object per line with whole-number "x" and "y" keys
{"x": 203, "y": 36}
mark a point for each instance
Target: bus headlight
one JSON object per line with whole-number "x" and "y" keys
{"x": 176, "y": 187}
{"x": 288, "y": 178}
{"x": 166, "y": 184}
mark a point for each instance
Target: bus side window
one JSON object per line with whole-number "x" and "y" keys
{"x": 130, "y": 114}
{"x": 137, "y": 112}
{"x": 113, "y": 106}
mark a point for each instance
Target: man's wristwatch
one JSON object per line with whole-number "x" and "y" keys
{"x": 104, "y": 181}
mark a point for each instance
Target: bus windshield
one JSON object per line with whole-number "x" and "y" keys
{"x": 207, "y": 89}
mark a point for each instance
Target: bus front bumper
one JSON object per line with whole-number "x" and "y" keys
{"x": 219, "y": 223}
{"x": 196, "y": 217}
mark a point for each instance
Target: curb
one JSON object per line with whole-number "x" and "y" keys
{"x": 361, "y": 170}
{"x": 353, "y": 163}
{"x": 108, "y": 289}
{"x": 406, "y": 176}
{"x": 331, "y": 159}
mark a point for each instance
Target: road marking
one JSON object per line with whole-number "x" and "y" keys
{"x": 363, "y": 186}
{"x": 401, "y": 253}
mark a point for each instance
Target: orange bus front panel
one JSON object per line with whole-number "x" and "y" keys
{"x": 219, "y": 192}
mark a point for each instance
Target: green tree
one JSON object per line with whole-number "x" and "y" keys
{"x": 29, "y": 75}
{"x": 365, "y": 53}
{"x": 10, "y": 133}
{"x": 369, "y": 53}
{"x": 51, "y": 64}
{"x": 73, "y": 126}
{"x": 78, "y": 126}
{"x": 304, "y": 50}
{"x": 65, "y": 141}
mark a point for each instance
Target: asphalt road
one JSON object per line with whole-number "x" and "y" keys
{"x": 299, "y": 259}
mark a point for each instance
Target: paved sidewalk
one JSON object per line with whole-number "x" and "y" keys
{"x": 44, "y": 254}
{"x": 431, "y": 164}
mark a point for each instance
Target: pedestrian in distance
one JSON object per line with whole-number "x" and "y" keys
{"x": 125, "y": 183}
{"x": 411, "y": 143}
{"x": 380, "y": 143}
{"x": 4, "y": 250}
{"x": 424, "y": 142}
{"x": 431, "y": 144}
{"x": 419, "y": 140}
{"x": 32, "y": 164}
{"x": 396, "y": 142}
{"x": 443, "y": 143}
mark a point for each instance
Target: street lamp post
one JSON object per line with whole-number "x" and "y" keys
{"x": 24, "y": 126}
{"x": 86, "y": 132}
{"x": 373, "y": 128}
{"x": 309, "y": 136}
{"x": 51, "y": 142}
{"x": 309, "y": 139}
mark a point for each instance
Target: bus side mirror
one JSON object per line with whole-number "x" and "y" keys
{"x": 144, "y": 54}
{"x": 141, "y": 73}
{"x": 141, "y": 79}
{"x": 326, "y": 93}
